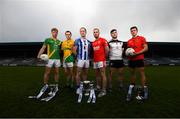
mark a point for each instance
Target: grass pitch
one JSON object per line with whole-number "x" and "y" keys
{"x": 17, "y": 83}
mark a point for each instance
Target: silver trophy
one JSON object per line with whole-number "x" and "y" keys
{"x": 139, "y": 91}
{"x": 92, "y": 96}
{"x": 81, "y": 88}
{"x": 87, "y": 88}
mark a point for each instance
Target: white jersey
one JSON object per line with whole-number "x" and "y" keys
{"x": 116, "y": 49}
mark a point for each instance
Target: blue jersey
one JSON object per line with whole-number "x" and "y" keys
{"x": 83, "y": 48}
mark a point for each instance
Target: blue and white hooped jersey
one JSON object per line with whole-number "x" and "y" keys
{"x": 83, "y": 48}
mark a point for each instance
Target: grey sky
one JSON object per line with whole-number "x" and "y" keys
{"x": 31, "y": 20}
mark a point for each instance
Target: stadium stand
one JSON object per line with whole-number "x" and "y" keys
{"x": 24, "y": 54}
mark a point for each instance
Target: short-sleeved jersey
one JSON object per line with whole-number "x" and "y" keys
{"x": 53, "y": 48}
{"x": 83, "y": 48}
{"x": 115, "y": 49}
{"x": 99, "y": 49}
{"x": 137, "y": 43}
{"x": 67, "y": 46}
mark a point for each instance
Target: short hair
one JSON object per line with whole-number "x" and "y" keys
{"x": 68, "y": 32}
{"x": 83, "y": 28}
{"x": 113, "y": 30}
{"x": 96, "y": 29}
{"x": 54, "y": 29}
{"x": 134, "y": 27}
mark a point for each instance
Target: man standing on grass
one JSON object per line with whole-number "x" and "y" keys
{"x": 101, "y": 49}
{"x": 82, "y": 49}
{"x": 53, "y": 49}
{"x": 68, "y": 58}
{"x": 116, "y": 60}
{"x": 136, "y": 62}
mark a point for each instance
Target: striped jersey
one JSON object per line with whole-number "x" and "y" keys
{"x": 83, "y": 48}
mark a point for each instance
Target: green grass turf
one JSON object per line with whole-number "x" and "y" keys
{"x": 17, "y": 83}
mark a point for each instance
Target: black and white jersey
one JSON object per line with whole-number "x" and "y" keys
{"x": 116, "y": 49}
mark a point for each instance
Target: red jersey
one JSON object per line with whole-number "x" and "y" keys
{"x": 137, "y": 44}
{"x": 99, "y": 49}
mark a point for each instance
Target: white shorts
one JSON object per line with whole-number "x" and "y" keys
{"x": 99, "y": 64}
{"x": 55, "y": 62}
{"x": 68, "y": 64}
{"x": 83, "y": 63}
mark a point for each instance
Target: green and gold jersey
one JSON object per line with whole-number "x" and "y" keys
{"x": 53, "y": 48}
{"x": 67, "y": 46}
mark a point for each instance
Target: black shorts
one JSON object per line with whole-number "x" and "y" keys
{"x": 116, "y": 63}
{"x": 136, "y": 63}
